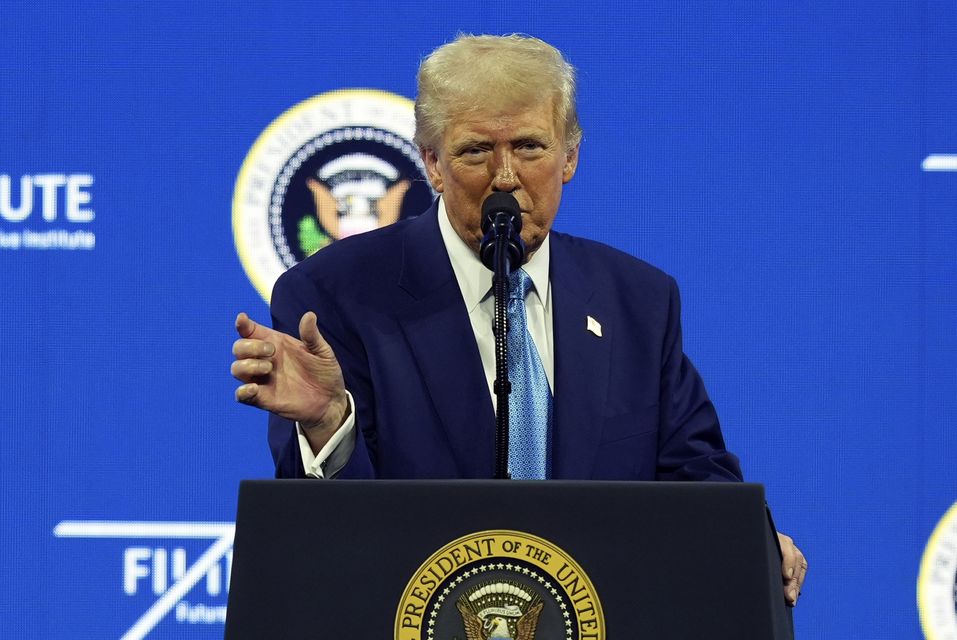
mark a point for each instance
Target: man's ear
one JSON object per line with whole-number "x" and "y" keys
{"x": 571, "y": 164}
{"x": 432, "y": 169}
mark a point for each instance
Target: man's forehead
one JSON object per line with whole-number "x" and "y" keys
{"x": 530, "y": 119}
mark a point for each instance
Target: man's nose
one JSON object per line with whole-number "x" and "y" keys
{"x": 505, "y": 178}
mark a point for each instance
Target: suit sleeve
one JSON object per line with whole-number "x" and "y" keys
{"x": 293, "y": 295}
{"x": 690, "y": 444}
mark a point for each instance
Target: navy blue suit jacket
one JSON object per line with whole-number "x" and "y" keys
{"x": 627, "y": 406}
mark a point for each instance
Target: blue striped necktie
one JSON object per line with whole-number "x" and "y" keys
{"x": 530, "y": 403}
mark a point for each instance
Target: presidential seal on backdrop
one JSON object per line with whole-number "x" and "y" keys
{"x": 337, "y": 164}
{"x": 500, "y": 585}
{"x": 937, "y": 582}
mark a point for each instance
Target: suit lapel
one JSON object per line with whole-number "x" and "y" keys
{"x": 581, "y": 366}
{"x": 440, "y": 336}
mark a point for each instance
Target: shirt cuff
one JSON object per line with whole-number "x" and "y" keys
{"x": 333, "y": 457}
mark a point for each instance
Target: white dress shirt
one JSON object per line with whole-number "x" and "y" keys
{"x": 475, "y": 282}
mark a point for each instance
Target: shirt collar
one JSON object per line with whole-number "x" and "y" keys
{"x": 474, "y": 279}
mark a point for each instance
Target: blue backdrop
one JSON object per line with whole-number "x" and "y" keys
{"x": 788, "y": 165}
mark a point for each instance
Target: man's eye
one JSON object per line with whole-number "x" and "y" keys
{"x": 531, "y": 145}
{"x": 473, "y": 155}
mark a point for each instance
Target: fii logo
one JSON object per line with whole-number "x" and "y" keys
{"x": 42, "y": 211}
{"x": 157, "y": 564}
{"x": 158, "y": 567}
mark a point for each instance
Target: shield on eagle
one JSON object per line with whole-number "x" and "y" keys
{"x": 502, "y": 610}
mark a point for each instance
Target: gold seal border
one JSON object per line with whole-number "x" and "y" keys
{"x": 262, "y": 284}
{"x": 500, "y": 538}
{"x": 924, "y": 590}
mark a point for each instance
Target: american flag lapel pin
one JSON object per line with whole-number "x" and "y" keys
{"x": 593, "y": 325}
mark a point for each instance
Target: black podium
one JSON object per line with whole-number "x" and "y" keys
{"x": 481, "y": 560}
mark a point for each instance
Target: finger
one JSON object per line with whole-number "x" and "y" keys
{"x": 802, "y": 570}
{"x": 792, "y": 589}
{"x": 245, "y": 325}
{"x": 247, "y": 393}
{"x": 789, "y": 568}
{"x": 248, "y": 369}
{"x": 310, "y": 336}
{"x": 791, "y": 593}
{"x": 789, "y": 561}
{"x": 245, "y": 348}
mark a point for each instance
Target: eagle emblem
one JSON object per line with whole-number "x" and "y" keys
{"x": 364, "y": 193}
{"x": 499, "y": 611}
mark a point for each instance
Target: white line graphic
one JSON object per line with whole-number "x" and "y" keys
{"x": 125, "y": 529}
{"x": 940, "y": 162}
{"x": 221, "y": 532}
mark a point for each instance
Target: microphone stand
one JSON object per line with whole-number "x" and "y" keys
{"x": 502, "y": 251}
{"x": 502, "y": 386}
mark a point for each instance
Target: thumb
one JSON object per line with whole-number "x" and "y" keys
{"x": 310, "y": 336}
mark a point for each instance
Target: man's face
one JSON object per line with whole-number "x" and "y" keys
{"x": 520, "y": 152}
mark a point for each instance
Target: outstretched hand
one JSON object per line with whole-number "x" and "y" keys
{"x": 297, "y": 379}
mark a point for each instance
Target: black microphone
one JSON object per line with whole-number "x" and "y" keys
{"x": 502, "y": 221}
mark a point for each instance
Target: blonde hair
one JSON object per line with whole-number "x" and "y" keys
{"x": 478, "y": 73}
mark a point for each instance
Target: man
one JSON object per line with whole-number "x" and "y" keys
{"x": 382, "y": 359}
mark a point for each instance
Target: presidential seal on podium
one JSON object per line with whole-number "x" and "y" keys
{"x": 503, "y": 585}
